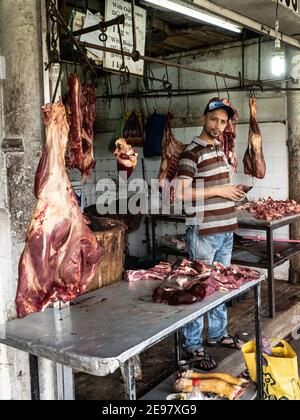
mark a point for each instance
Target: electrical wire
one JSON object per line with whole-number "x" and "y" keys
{"x": 277, "y": 7}
{"x": 217, "y": 86}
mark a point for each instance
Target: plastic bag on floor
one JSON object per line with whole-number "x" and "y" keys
{"x": 280, "y": 371}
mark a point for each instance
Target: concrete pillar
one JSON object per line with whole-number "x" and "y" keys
{"x": 293, "y": 106}
{"x": 21, "y": 140}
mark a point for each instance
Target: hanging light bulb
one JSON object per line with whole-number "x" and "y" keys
{"x": 278, "y": 60}
{"x": 54, "y": 72}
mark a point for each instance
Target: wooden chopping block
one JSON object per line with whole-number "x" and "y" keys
{"x": 111, "y": 237}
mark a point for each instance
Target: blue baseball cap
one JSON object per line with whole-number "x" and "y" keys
{"x": 212, "y": 106}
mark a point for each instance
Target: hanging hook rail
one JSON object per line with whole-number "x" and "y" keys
{"x": 120, "y": 20}
{"x": 81, "y": 46}
{"x": 174, "y": 64}
{"x": 54, "y": 13}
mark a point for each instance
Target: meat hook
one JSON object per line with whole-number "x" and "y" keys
{"x": 216, "y": 80}
{"x": 188, "y": 114}
{"x": 228, "y": 96}
{"x": 251, "y": 93}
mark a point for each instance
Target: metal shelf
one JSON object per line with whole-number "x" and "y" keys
{"x": 256, "y": 253}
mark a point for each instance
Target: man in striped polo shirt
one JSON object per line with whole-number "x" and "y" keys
{"x": 211, "y": 240}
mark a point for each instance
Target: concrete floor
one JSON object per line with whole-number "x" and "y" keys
{"x": 158, "y": 362}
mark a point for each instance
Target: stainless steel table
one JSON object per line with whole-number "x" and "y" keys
{"x": 274, "y": 253}
{"x": 106, "y": 328}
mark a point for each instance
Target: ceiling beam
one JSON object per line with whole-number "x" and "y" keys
{"x": 245, "y": 22}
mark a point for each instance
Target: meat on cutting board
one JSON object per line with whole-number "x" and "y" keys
{"x": 254, "y": 161}
{"x": 81, "y": 117}
{"x": 61, "y": 253}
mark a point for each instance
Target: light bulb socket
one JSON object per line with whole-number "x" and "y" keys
{"x": 278, "y": 45}
{"x": 55, "y": 71}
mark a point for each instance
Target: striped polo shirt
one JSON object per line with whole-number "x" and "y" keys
{"x": 207, "y": 162}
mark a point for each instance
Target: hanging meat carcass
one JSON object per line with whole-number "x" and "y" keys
{"x": 228, "y": 137}
{"x": 254, "y": 161}
{"x": 173, "y": 148}
{"x": 172, "y": 151}
{"x": 61, "y": 253}
{"x": 126, "y": 156}
{"x": 81, "y": 117}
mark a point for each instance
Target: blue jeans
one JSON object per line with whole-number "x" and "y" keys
{"x": 209, "y": 249}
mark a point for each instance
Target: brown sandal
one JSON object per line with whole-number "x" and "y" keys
{"x": 203, "y": 361}
{"x": 235, "y": 343}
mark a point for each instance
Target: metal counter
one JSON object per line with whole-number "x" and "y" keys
{"x": 103, "y": 330}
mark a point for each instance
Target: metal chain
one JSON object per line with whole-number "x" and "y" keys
{"x": 53, "y": 34}
{"x": 123, "y": 67}
{"x": 124, "y": 78}
{"x": 55, "y": 17}
{"x": 136, "y": 55}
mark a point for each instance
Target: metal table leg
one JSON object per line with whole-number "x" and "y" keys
{"x": 258, "y": 333}
{"x": 177, "y": 347}
{"x": 154, "y": 223}
{"x": 64, "y": 383}
{"x": 34, "y": 377}
{"x": 271, "y": 282}
{"x": 129, "y": 381}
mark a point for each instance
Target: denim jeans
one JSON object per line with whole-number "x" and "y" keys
{"x": 209, "y": 249}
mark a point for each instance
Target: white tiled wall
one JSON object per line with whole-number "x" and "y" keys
{"x": 275, "y": 184}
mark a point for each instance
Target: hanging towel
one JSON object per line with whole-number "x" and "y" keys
{"x": 154, "y": 131}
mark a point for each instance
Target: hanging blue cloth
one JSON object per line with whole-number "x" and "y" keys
{"x": 154, "y": 132}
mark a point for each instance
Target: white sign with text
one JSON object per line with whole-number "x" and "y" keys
{"x": 114, "y": 8}
{"x": 92, "y": 37}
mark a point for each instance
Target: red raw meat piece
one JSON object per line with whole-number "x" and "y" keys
{"x": 81, "y": 117}
{"x": 126, "y": 157}
{"x": 254, "y": 161}
{"x": 61, "y": 252}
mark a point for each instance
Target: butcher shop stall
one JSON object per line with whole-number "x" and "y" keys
{"x": 114, "y": 151}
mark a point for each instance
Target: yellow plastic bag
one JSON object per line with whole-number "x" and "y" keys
{"x": 280, "y": 376}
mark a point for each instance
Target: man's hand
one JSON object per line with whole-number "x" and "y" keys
{"x": 231, "y": 192}
{"x": 185, "y": 191}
